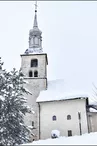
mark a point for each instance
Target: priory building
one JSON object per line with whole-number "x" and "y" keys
{"x": 54, "y": 107}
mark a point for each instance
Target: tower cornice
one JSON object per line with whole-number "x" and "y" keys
{"x": 36, "y": 54}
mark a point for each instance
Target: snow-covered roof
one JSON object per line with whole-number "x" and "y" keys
{"x": 93, "y": 110}
{"x": 33, "y": 50}
{"x": 58, "y": 90}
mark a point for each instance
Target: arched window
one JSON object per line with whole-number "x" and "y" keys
{"x": 68, "y": 117}
{"x": 32, "y": 41}
{"x": 54, "y": 118}
{"x": 34, "y": 63}
{"x": 36, "y": 73}
{"x": 30, "y": 74}
{"x": 39, "y": 41}
{"x": 36, "y": 40}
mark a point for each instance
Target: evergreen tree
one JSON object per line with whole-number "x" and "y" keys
{"x": 13, "y": 106}
{"x": 3, "y": 77}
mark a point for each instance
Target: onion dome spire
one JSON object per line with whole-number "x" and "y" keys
{"x": 35, "y": 38}
{"x": 35, "y": 18}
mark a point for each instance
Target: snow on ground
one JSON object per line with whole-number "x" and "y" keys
{"x": 85, "y": 139}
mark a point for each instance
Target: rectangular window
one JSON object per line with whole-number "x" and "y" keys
{"x": 33, "y": 123}
{"x": 79, "y": 115}
{"x": 69, "y": 132}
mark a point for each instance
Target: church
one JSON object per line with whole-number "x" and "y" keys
{"x": 55, "y": 108}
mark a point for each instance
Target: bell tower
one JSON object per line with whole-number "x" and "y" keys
{"x": 34, "y": 67}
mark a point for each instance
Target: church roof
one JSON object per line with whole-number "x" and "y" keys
{"x": 59, "y": 90}
{"x": 93, "y": 110}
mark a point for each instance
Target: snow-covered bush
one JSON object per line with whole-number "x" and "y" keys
{"x": 55, "y": 134}
{"x": 13, "y": 130}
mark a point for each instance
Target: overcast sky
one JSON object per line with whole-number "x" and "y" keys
{"x": 69, "y": 31}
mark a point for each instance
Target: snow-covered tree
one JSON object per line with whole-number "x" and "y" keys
{"x": 2, "y": 87}
{"x": 93, "y": 98}
{"x": 13, "y": 108}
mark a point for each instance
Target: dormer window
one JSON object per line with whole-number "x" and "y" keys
{"x": 30, "y": 74}
{"x": 34, "y": 63}
{"x": 36, "y": 73}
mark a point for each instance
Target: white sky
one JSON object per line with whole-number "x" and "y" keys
{"x": 69, "y": 38}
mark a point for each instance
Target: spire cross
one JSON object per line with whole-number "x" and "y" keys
{"x": 35, "y": 6}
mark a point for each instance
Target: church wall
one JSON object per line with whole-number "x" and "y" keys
{"x": 34, "y": 86}
{"x": 93, "y": 121}
{"x": 61, "y": 109}
{"x": 89, "y": 121}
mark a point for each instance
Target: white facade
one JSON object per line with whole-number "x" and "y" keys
{"x": 61, "y": 109}
{"x": 53, "y": 100}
